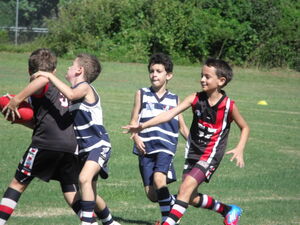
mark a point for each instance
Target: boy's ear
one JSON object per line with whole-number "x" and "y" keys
{"x": 169, "y": 76}
{"x": 54, "y": 72}
{"x": 222, "y": 81}
{"x": 80, "y": 71}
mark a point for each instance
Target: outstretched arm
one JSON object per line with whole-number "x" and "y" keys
{"x": 238, "y": 151}
{"x": 71, "y": 94}
{"x": 163, "y": 117}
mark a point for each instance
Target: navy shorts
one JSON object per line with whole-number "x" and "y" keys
{"x": 48, "y": 165}
{"x": 158, "y": 162}
{"x": 101, "y": 156}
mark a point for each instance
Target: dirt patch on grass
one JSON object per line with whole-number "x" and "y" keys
{"x": 44, "y": 212}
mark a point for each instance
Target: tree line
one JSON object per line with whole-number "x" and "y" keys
{"x": 244, "y": 32}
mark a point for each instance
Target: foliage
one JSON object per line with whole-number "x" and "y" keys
{"x": 7, "y": 13}
{"x": 31, "y": 12}
{"x": 244, "y": 32}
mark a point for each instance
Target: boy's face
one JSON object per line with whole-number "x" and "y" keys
{"x": 209, "y": 79}
{"x": 158, "y": 75}
{"x": 73, "y": 70}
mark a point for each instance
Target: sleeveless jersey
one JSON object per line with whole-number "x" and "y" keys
{"x": 209, "y": 130}
{"x": 162, "y": 137}
{"x": 88, "y": 124}
{"x": 53, "y": 123}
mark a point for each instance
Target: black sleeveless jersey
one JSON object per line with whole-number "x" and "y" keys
{"x": 53, "y": 122}
{"x": 210, "y": 128}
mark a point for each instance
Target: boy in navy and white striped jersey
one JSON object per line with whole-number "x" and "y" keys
{"x": 213, "y": 113}
{"x": 92, "y": 137}
{"x": 157, "y": 145}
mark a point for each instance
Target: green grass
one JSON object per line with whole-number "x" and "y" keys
{"x": 267, "y": 188}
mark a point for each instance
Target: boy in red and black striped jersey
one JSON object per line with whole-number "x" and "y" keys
{"x": 213, "y": 113}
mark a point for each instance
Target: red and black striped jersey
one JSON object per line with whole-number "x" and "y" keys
{"x": 210, "y": 128}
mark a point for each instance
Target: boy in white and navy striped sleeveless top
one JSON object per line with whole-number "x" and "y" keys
{"x": 157, "y": 145}
{"x": 93, "y": 141}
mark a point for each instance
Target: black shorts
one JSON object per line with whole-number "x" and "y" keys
{"x": 207, "y": 169}
{"x": 48, "y": 165}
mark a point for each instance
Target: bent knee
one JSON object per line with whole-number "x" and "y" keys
{"x": 85, "y": 180}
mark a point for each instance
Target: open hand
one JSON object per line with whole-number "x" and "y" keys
{"x": 133, "y": 129}
{"x": 11, "y": 109}
{"x": 41, "y": 73}
{"x": 237, "y": 154}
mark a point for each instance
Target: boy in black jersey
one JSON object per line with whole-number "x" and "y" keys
{"x": 213, "y": 113}
{"x": 51, "y": 154}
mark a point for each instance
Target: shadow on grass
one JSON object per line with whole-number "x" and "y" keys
{"x": 142, "y": 222}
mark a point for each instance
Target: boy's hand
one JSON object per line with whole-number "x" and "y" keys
{"x": 41, "y": 73}
{"x": 139, "y": 144}
{"x": 238, "y": 155}
{"x": 133, "y": 129}
{"x": 11, "y": 109}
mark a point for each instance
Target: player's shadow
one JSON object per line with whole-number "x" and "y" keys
{"x": 141, "y": 222}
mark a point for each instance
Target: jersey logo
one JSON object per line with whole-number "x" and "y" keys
{"x": 150, "y": 106}
{"x": 63, "y": 101}
{"x": 198, "y": 112}
{"x": 205, "y": 132}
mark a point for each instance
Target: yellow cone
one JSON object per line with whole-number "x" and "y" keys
{"x": 262, "y": 102}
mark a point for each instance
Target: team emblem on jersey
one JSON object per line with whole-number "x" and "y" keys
{"x": 168, "y": 107}
{"x": 198, "y": 112}
{"x": 63, "y": 101}
{"x": 149, "y": 106}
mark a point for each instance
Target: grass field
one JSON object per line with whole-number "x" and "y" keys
{"x": 268, "y": 188}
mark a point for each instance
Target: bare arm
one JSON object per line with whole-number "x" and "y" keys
{"x": 163, "y": 117}
{"x": 134, "y": 121}
{"x": 238, "y": 151}
{"x": 70, "y": 93}
{"x": 136, "y": 108}
{"x": 34, "y": 87}
{"x": 182, "y": 126}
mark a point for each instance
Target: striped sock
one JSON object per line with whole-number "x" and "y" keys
{"x": 87, "y": 208}
{"x": 105, "y": 216}
{"x": 207, "y": 202}
{"x": 174, "y": 197}
{"x": 164, "y": 200}
{"x": 8, "y": 204}
{"x": 77, "y": 208}
{"x": 176, "y": 212}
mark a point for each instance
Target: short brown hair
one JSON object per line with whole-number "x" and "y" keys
{"x": 222, "y": 69}
{"x": 91, "y": 65}
{"x": 42, "y": 59}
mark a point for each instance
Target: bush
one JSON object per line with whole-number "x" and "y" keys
{"x": 262, "y": 32}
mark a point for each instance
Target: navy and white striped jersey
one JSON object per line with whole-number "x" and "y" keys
{"x": 88, "y": 124}
{"x": 162, "y": 137}
{"x": 209, "y": 130}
